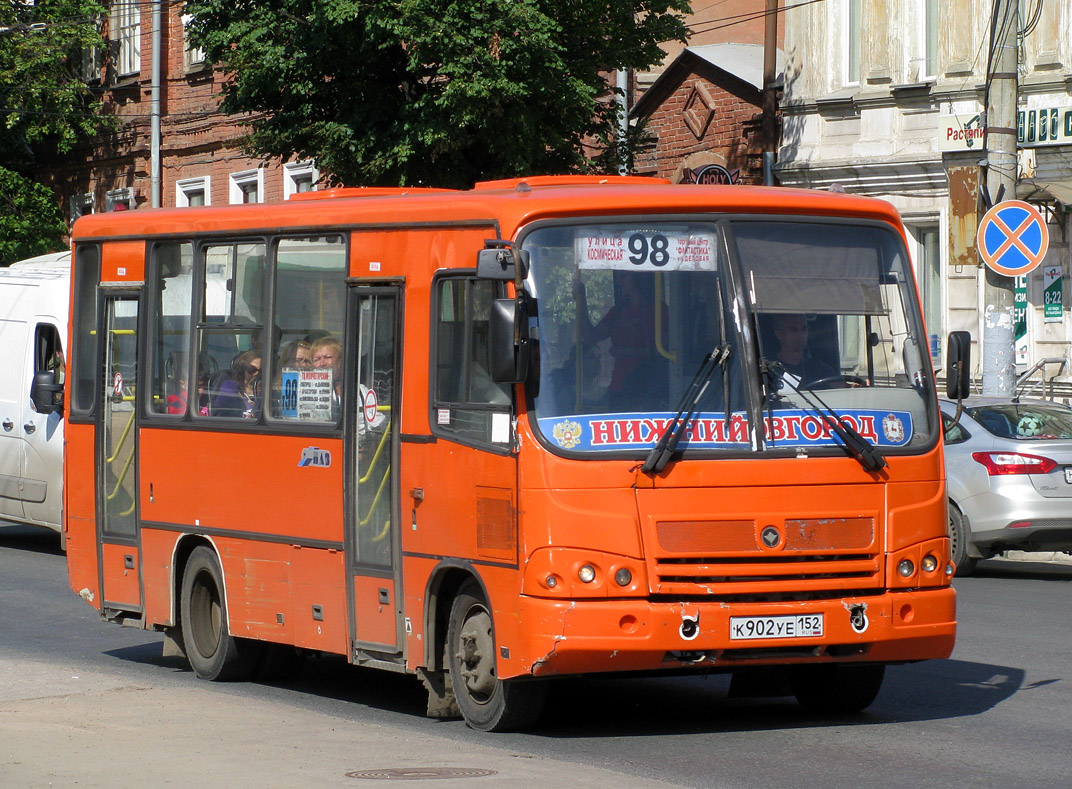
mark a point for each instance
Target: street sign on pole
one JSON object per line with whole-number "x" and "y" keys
{"x": 1013, "y": 238}
{"x": 1053, "y": 294}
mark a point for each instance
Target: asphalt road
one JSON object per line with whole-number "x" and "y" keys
{"x": 93, "y": 704}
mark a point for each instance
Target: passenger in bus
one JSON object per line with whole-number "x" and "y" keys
{"x": 798, "y": 366}
{"x": 296, "y": 355}
{"x": 238, "y": 395}
{"x": 176, "y": 396}
{"x": 327, "y": 353}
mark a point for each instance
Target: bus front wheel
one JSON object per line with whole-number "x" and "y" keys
{"x": 836, "y": 688}
{"x": 486, "y": 702}
{"x": 213, "y": 652}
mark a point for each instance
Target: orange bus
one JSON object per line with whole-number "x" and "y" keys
{"x": 544, "y": 427}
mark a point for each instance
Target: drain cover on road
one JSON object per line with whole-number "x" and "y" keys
{"x": 420, "y": 773}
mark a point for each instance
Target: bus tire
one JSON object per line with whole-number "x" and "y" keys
{"x": 960, "y": 542}
{"x": 486, "y": 702}
{"x": 836, "y": 688}
{"x": 214, "y": 654}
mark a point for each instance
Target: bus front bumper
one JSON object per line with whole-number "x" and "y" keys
{"x": 556, "y": 637}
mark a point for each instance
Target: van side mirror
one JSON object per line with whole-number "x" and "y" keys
{"x": 45, "y": 394}
{"x": 958, "y": 365}
{"x": 508, "y": 360}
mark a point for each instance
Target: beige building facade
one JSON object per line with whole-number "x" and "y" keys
{"x": 885, "y": 98}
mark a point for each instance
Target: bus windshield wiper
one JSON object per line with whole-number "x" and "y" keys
{"x": 667, "y": 444}
{"x": 865, "y": 453}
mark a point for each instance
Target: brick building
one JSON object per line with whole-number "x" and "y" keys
{"x": 195, "y": 159}
{"x": 704, "y": 111}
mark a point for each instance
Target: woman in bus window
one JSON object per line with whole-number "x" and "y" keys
{"x": 237, "y": 396}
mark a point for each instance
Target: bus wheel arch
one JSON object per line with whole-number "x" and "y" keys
{"x": 486, "y": 702}
{"x": 212, "y": 651}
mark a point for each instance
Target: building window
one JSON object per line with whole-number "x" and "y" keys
{"x": 930, "y": 38}
{"x": 81, "y": 205}
{"x": 194, "y": 57}
{"x": 299, "y": 177}
{"x": 191, "y": 192}
{"x": 929, "y": 276}
{"x": 126, "y": 37}
{"x": 247, "y": 186}
{"x": 851, "y": 41}
{"x": 119, "y": 200}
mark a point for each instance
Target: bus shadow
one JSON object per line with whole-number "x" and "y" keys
{"x": 932, "y": 690}
{"x": 35, "y": 539}
{"x": 652, "y": 706}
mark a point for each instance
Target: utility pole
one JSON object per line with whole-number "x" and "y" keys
{"x": 999, "y": 372}
{"x": 770, "y": 102}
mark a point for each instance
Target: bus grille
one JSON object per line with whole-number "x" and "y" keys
{"x": 731, "y": 558}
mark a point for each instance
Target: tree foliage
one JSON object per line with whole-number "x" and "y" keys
{"x": 437, "y": 92}
{"x": 45, "y": 108}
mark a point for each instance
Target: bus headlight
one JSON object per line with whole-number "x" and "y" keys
{"x": 929, "y": 563}
{"x": 906, "y": 568}
{"x": 587, "y": 574}
{"x": 623, "y": 577}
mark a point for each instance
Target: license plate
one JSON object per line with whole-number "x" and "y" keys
{"x": 1068, "y": 475}
{"x": 744, "y": 628}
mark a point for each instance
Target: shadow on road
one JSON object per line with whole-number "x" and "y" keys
{"x": 37, "y": 539}
{"x": 1037, "y": 571}
{"x": 642, "y": 707}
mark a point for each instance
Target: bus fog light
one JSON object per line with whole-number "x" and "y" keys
{"x": 587, "y": 574}
{"x": 623, "y": 577}
{"x": 906, "y": 568}
{"x": 929, "y": 563}
{"x": 551, "y": 581}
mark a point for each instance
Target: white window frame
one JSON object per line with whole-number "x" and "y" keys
{"x": 186, "y": 186}
{"x": 928, "y": 24}
{"x": 116, "y": 196}
{"x": 193, "y": 57}
{"x": 125, "y": 32}
{"x": 243, "y": 178}
{"x": 294, "y": 172}
{"x": 851, "y": 35}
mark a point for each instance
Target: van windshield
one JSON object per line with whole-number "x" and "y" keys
{"x": 628, "y": 312}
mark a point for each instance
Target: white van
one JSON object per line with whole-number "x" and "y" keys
{"x": 34, "y": 299}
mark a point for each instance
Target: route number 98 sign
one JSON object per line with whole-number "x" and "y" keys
{"x": 659, "y": 248}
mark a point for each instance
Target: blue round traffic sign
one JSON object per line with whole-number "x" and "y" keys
{"x": 1013, "y": 238}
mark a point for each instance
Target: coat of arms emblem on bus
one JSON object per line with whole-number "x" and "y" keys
{"x": 567, "y": 434}
{"x": 893, "y": 428}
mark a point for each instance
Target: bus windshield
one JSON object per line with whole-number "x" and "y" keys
{"x": 796, "y": 319}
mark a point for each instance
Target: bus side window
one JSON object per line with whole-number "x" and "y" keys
{"x": 464, "y": 389}
{"x": 172, "y": 283}
{"x": 310, "y": 289}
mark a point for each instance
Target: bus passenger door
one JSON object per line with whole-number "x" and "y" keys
{"x": 117, "y": 458}
{"x": 372, "y": 538}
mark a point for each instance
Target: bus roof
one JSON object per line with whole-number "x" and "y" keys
{"x": 506, "y": 204}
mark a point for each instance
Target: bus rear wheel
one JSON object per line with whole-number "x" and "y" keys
{"x": 486, "y": 702}
{"x": 213, "y": 652}
{"x": 837, "y": 688}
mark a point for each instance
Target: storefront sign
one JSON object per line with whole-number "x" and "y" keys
{"x": 1053, "y": 294}
{"x": 1034, "y": 128}
{"x": 960, "y": 132}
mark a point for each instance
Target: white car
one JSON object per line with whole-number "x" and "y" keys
{"x": 1008, "y": 468}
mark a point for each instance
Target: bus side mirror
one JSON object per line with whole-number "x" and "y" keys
{"x": 45, "y": 394}
{"x": 958, "y": 365}
{"x": 500, "y": 263}
{"x": 508, "y": 349}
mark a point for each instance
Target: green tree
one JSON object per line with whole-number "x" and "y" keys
{"x": 436, "y": 92}
{"x": 45, "y": 108}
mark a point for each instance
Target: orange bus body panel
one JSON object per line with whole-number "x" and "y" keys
{"x": 508, "y": 519}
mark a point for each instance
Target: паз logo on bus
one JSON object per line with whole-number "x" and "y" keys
{"x": 315, "y": 456}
